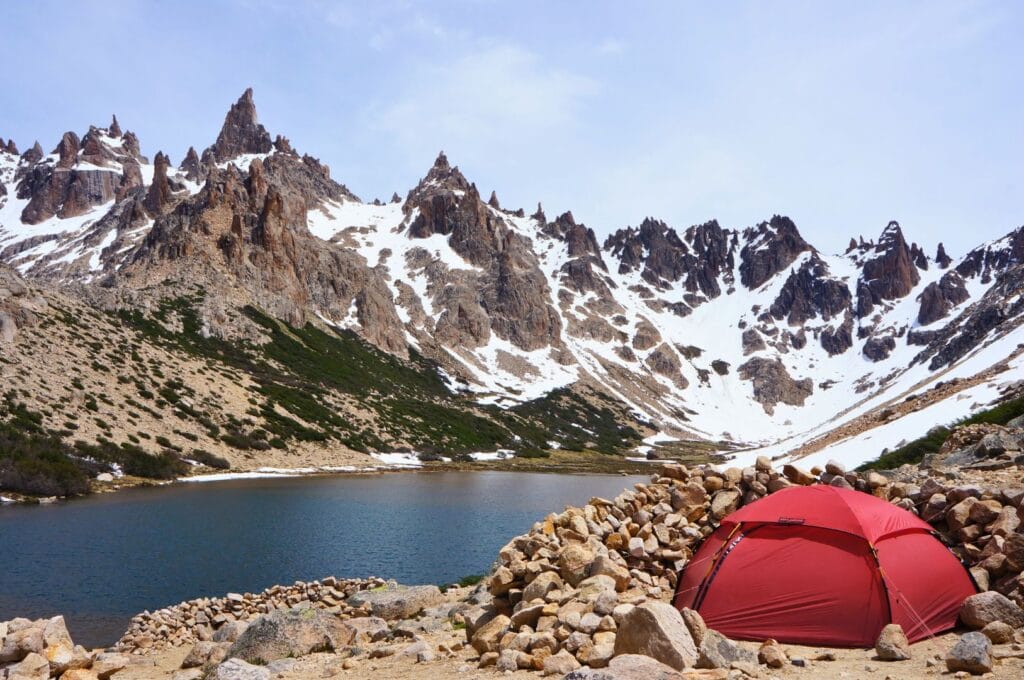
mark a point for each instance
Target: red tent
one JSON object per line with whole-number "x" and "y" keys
{"x": 823, "y": 565}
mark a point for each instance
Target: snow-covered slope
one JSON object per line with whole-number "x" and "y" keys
{"x": 748, "y": 335}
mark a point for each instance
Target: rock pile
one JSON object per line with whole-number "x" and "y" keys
{"x": 565, "y": 588}
{"x": 37, "y": 650}
{"x": 206, "y": 619}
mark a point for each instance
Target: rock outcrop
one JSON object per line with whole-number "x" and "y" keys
{"x": 241, "y": 132}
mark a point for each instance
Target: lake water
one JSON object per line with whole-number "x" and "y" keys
{"x": 102, "y": 559}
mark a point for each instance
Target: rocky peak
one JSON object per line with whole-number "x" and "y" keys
{"x": 579, "y": 239}
{"x": 282, "y": 145}
{"x": 990, "y": 259}
{"x": 192, "y": 167}
{"x": 11, "y": 147}
{"x": 159, "y": 194}
{"x": 941, "y": 258}
{"x": 115, "y": 129}
{"x": 538, "y": 215}
{"x": 938, "y": 297}
{"x": 493, "y": 201}
{"x": 32, "y": 155}
{"x": 395, "y": 198}
{"x": 443, "y": 178}
{"x": 67, "y": 150}
{"x": 241, "y": 132}
{"x": 890, "y": 275}
{"x": 770, "y": 247}
{"x": 131, "y": 145}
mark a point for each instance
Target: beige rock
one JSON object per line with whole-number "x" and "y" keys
{"x": 574, "y": 563}
{"x": 656, "y": 629}
{"x": 560, "y": 664}
{"x": 892, "y": 644}
{"x": 771, "y": 654}
{"x": 33, "y": 667}
{"x": 487, "y": 637}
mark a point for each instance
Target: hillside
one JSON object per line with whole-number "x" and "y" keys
{"x": 246, "y": 309}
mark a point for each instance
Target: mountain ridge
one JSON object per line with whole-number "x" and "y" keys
{"x": 684, "y": 328}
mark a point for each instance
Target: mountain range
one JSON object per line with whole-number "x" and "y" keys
{"x": 271, "y": 315}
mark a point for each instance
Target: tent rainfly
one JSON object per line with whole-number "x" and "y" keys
{"x": 823, "y": 565}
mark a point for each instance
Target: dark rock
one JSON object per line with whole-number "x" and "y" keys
{"x": 241, "y": 132}
{"x": 972, "y": 653}
{"x": 890, "y": 275}
{"x": 941, "y": 258}
{"x": 940, "y": 296}
{"x": 772, "y": 383}
{"x": 878, "y": 349}
{"x": 770, "y": 248}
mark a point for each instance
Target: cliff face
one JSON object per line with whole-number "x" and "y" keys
{"x": 682, "y": 326}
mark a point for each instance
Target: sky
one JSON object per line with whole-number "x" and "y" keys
{"x": 842, "y": 115}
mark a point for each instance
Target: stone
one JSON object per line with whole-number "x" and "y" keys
{"x": 290, "y": 633}
{"x": 979, "y": 610}
{"x": 892, "y": 644}
{"x": 725, "y": 503}
{"x": 206, "y": 652}
{"x": 998, "y": 632}
{"x": 21, "y": 642}
{"x": 367, "y": 629}
{"x": 230, "y": 631}
{"x": 32, "y": 667}
{"x": 398, "y": 602}
{"x": 561, "y": 663}
{"x": 603, "y": 565}
{"x": 236, "y": 669}
{"x": 718, "y": 651}
{"x": 487, "y": 637}
{"x": 105, "y": 664}
{"x": 82, "y": 674}
{"x": 972, "y": 653}
{"x": 771, "y": 654}
{"x": 695, "y": 624}
{"x": 476, "y": 617}
{"x": 574, "y": 563}
{"x": 541, "y": 585}
{"x": 591, "y": 588}
{"x": 638, "y": 667}
{"x": 656, "y": 629}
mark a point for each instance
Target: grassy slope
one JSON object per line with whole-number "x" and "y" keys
{"x": 308, "y": 385}
{"x": 915, "y": 451}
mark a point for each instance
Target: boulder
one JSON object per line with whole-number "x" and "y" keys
{"x": 718, "y": 651}
{"x": 574, "y": 563}
{"x": 605, "y": 566}
{"x": 541, "y": 585}
{"x": 105, "y": 664}
{"x": 892, "y": 644}
{"x": 486, "y": 639}
{"x": 33, "y": 667}
{"x": 656, "y": 629}
{"x": 366, "y": 629}
{"x": 695, "y": 624}
{"x": 230, "y": 631}
{"x": 637, "y": 667}
{"x": 979, "y": 610}
{"x": 203, "y": 653}
{"x": 236, "y": 669}
{"x": 972, "y": 653}
{"x": 998, "y": 632}
{"x": 771, "y": 654}
{"x": 20, "y": 642}
{"x": 290, "y": 633}
{"x": 398, "y": 602}
{"x": 561, "y": 663}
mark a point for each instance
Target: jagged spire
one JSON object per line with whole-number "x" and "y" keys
{"x": 159, "y": 194}
{"x": 539, "y": 214}
{"x": 115, "y": 128}
{"x": 941, "y": 258}
{"x": 241, "y": 132}
{"x": 395, "y": 198}
{"x": 493, "y": 201}
{"x": 441, "y": 162}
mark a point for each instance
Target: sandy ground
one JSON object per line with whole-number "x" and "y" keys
{"x": 855, "y": 664}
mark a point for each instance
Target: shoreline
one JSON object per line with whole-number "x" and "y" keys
{"x": 562, "y": 462}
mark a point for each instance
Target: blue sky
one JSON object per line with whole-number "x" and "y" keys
{"x": 841, "y": 115}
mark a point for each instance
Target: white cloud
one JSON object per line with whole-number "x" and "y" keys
{"x": 496, "y": 99}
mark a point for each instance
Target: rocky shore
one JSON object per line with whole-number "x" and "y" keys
{"x": 584, "y": 595}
